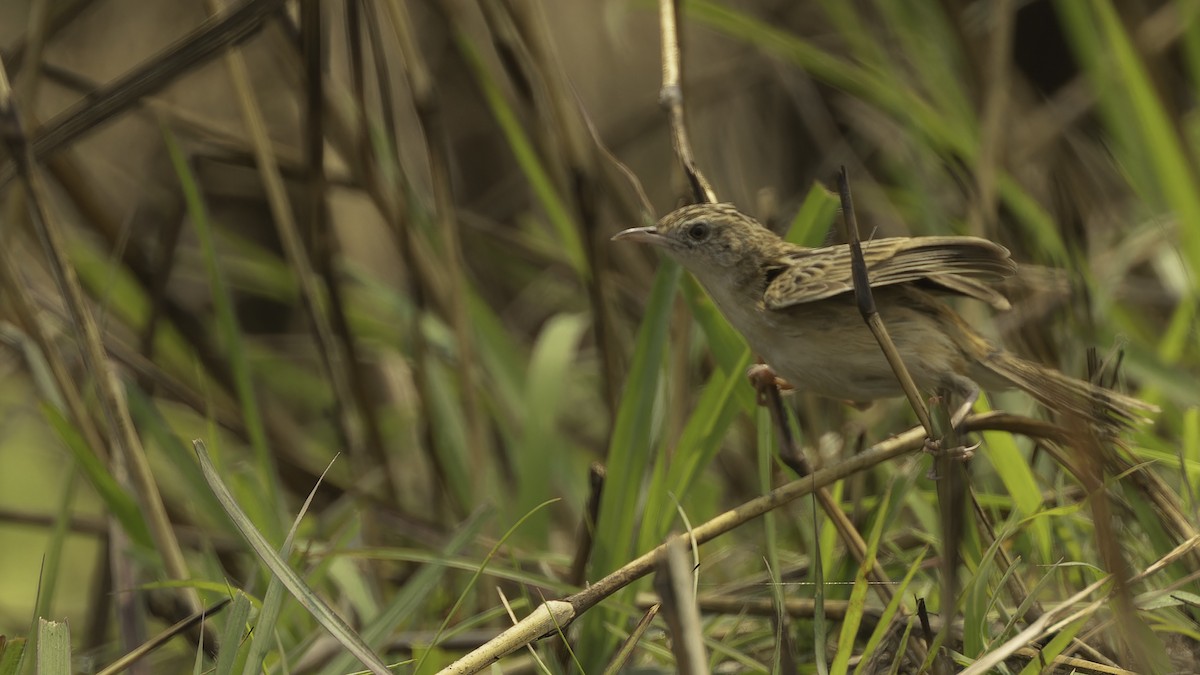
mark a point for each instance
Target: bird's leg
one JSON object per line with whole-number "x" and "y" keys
{"x": 969, "y": 391}
{"x": 762, "y": 376}
{"x": 769, "y": 386}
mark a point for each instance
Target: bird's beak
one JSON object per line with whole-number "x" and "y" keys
{"x": 641, "y": 235}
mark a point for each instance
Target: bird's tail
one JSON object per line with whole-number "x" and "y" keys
{"x": 1064, "y": 394}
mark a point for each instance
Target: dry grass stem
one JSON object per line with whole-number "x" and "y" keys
{"x": 670, "y": 97}
{"x": 123, "y": 435}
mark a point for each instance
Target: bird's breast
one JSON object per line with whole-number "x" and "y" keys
{"x": 825, "y": 347}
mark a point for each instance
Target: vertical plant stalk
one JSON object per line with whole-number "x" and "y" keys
{"x": 674, "y": 585}
{"x": 865, "y": 300}
{"x": 123, "y": 437}
{"x": 670, "y": 97}
{"x": 332, "y": 358}
{"x": 1135, "y": 643}
{"x": 952, "y": 487}
{"x": 791, "y": 455}
{"x": 390, "y": 199}
{"x": 866, "y": 306}
{"x": 585, "y": 178}
{"x": 421, "y": 85}
{"x": 321, "y": 240}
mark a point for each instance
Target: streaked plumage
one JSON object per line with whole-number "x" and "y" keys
{"x": 796, "y": 308}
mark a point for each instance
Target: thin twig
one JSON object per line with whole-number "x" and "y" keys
{"x": 587, "y": 527}
{"x": 623, "y": 653}
{"x": 123, "y": 435}
{"x": 422, "y": 87}
{"x": 556, "y": 614}
{"x": 348, "y": 419}
{"x": 673, "y": 582}
{"x": 586, "y": 179}
{"x": 866, "y": 307}
{"x": 204, "y": 43}
{"x": 950, "y": 491}
{"x": 791, "y": 455}
{"x": 670, "y": 97}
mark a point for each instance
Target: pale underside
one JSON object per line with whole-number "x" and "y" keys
{"x": 825, "y": 347}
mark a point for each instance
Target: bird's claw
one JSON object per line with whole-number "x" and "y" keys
{"x": 762, "y": 377}
{"x": 961, "y": 453}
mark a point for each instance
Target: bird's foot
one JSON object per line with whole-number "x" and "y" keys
{"x": 762, "y": 377}
{"x": 961, "y": 453}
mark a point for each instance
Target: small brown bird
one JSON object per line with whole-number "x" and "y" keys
{"x": 795, "y": 306}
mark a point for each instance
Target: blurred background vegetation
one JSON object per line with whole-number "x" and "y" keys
{"x": 373, "y": 237}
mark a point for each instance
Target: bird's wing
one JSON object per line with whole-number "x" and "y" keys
{"x": 960, "y": 265}
{"x": 971, "y": 288}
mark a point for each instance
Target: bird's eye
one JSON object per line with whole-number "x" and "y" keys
{"x": 698, "y": 231}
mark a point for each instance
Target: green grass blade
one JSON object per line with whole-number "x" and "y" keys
{"x": 870, "y": 85}
{"x": 231, "y": 637}
{"x": 725, "y": 395}
{"x": 629, "y": 457}
{"x": 265, "y": 502}
{"x": 539, "y": 179}
{"x": 858, "y": 594}
{"x": 1056, "y": 646}
{"x": 885, "y": 619}
{"x": 1013, "y": 469}
{"x": 118, "y": 502}
{"x": 53, "y": 648}
{"x": 725, "y": 343}
{"x": 815, "y": 217}
{"x": 12, "y": 651}
{"x": 279, "y": 567}
{"x": 272, "y": 605}
{"x": 156, "y": 429}
{"x": 402, "y": 608}
{"x": 541, "y": 453}
{"x": 479, "y": 570}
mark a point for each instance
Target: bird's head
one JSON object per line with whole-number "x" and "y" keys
{"x": 706, "y": 238}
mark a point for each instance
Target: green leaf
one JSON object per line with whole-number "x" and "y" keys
{"x": 1013, "y": 469}
{"x": 725, "y": 394}
{"x": 1057, "y": 645}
